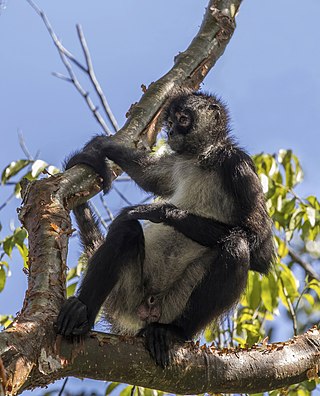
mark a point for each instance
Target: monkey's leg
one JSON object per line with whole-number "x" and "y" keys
{"x": 220, "y": 289}
{"x": 124, "y": 244}
{"x": 217, "y": 292}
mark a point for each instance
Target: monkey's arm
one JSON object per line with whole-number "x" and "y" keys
{"x": 150, "y": 172}
{"x": 241, "y": 182}
{"x": 205, "y": 231}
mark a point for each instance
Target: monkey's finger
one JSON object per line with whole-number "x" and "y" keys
{"x": 158, "y": 347}
{"x": 150, "y": 345}
{"x": 164, "y": 348}
{"x": 84, "y": 328}
{"x": 70, "y": 311}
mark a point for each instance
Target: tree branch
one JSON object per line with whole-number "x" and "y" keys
{"x": 304, "y": 264}
{"x": 195, "y": 369}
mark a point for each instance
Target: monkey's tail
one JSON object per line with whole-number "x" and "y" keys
{"x": 91, "y": 236}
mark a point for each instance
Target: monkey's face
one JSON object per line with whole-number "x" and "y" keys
{"x": 193, "y": 121}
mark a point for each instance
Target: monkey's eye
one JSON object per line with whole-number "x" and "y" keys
{"x": 184, "y": 120}
{"x": 214, "y": 107}
{"x": 169, "y": 123}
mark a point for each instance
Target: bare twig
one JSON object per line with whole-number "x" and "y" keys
{"x": 106, "y": 207}
{"x": 63, "y": 386}
{"x": 98, "y": 214}
{"x": 8, "y": 200}
{"x": 65, "y": 55}
{"x": 122, "y": 196}
{"x": 54, "y": 37}
{"x": 306, "y": 266}
{"x": 23, "y": 146}
{"x": 123, "y": 179}
{"x": 291, "y": 308}
{"x": 62, "y": 77}
{"x": 94, "y": 81}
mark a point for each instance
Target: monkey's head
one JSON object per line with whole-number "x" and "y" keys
{"x": 194, "y": 121}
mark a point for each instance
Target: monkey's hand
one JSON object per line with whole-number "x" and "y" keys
{"x": 73, "y": 318}
{"x": 159, "y": 340}
{"x": 93, "y": 155}
{"x": 156, "y": 212}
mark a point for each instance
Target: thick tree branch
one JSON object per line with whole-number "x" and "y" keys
{"x": 45, "y": 215}
{"x": 195, "y": 369}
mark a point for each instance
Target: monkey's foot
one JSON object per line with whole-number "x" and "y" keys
{"x": 159, "y": 340}
{"x": 73, "y": 318}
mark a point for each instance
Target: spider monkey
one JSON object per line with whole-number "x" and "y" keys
{"x": 189, "y": 263}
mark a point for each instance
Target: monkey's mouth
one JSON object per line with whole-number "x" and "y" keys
{"x": 177, "y": 143}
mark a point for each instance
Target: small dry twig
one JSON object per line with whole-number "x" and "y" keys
{"x": 94, "y": 81}
{"x": 305, "y": 265}
{"x": 65, "y": 56}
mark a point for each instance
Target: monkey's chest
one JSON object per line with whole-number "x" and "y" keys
{"x": 202, "y": 193}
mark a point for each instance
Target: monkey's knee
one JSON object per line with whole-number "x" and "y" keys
{"x": 237, "y": 248}
{"x": 126, "y": 237}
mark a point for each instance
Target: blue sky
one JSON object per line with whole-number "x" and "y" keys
{"x": 269, "y": 76}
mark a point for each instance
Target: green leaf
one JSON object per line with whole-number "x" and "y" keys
{"x": 13, "y": 168}
{"x": 313, "y": 202}
{"x": 288, "y": 206}
{"x": 282, "y": 248}
{"x": 37, "y": 168}
{"x": 253, "y": 291}
{"x": 72, "y": 273}
{"x": 6, "y": 320}
{"x": 289, "y": 282}
{"x": 20, "y": 234}
{"x": 311, "y": 212}
{"x": 269, "y": 292}
{"x": 315, "y": 285}
{"x": 126, "y": 391}
{"x": 2, "y": 278}
{"x": 71, "y": 289}
{"x": 112, "y": 386}
{"x": 308, "y": 297}
{"x": 53, "y": 170}
{"x": 23, "y": 250}
{"x": 8, "y": 244}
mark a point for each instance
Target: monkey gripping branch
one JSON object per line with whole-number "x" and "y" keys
{"x": 32, "y": 355}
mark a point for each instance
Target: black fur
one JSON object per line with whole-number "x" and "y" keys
{"x": 168, "y": 280}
